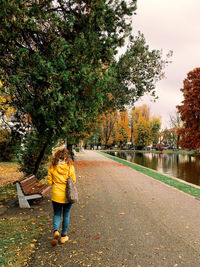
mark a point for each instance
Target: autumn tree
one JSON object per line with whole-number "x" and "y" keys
{"x": 144, "y": 128}
{"x": 109, "y": 121}
{"x": 135, "y": 114}
{"x": 142, "y": 133}
{"x": 57, "y": 60}
{"x": 155, "y": 123}
{"x": 140, "y": 111}
{"x": 122, "y": 128}
{"x": 190, "y": 111}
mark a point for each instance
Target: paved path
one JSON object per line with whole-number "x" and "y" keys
{"x": 124, "y": 218}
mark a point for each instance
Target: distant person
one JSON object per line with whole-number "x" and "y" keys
{"x": 60, "y": 169}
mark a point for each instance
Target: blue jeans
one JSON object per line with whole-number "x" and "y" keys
{"x": 63, "y": 210}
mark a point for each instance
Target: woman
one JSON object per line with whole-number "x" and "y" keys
{"x": 60, "y": 169}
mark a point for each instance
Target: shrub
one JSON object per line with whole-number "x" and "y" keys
{"x": 9, "y": 144}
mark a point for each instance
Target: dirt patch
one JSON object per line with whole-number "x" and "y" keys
{"x": 94, "y": 163}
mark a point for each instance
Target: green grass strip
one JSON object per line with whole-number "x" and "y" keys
{"x": 189, "y": 189}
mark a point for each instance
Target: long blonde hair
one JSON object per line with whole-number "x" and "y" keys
{"x": 63, "y": 155}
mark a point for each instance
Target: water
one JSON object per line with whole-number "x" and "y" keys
{"x": 185, "y": 167}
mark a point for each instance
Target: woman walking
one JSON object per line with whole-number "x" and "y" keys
{"x": 60, "y": 169}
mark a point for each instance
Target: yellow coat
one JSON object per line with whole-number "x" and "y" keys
{"x": 57, "y": 177}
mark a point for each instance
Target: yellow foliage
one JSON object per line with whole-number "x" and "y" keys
{"x": 141, "y": 111}
{"x": 122, "y": 128}
{"x": 142, "y": 132}
{"x": 4, "y": 104}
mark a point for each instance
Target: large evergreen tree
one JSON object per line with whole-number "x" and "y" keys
{"x": 57, "y": 64}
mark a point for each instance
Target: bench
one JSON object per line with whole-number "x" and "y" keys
{"x": 28, "y": 188}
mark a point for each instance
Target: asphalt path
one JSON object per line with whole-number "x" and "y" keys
{"x": 123, "y": 218}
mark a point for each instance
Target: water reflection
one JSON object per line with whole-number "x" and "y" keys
{"x": 185, "y": 167}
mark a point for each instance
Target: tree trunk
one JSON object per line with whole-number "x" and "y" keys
{"x": 39, "y": 159}
{"x": 178, "y": 140}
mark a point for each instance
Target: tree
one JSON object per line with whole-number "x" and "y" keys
{"x": 95, "y": 137}
{"x": 190, "y": 111}
{"x": 5, "y": 109}
{"x": 176, "y": 124}
{"x": 142, "y": 133}
{"x": 138, "y": 69}
{"x": 167, "y": 137}
{"x": 122, "y": 128}
{"x": 57, "y": 60}
{"x": 136, "y": 113}
{"x": 155, "y": 129}
{"x": 108, "y": 124}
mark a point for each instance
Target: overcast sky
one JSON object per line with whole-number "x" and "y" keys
{"x": 170, "y": 25}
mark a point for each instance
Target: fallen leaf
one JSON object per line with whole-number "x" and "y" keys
{"x": 99, "y": 252}
{"x": 96, "y": 237}
{"x": 148, "y": 233}
{"x": 122, "y": 213}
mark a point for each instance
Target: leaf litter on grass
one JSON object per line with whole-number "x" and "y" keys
{"x": 17, "y": 239}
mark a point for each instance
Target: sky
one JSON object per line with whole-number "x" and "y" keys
{"x": 170, "y": 25}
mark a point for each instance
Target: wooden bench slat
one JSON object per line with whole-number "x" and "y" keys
{"x": 36, "y": 189}
{"x": 28, "y": 187}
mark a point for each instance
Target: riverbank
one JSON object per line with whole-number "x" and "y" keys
{"x": 184, "y": 186}
{"x": 167, "y": 151}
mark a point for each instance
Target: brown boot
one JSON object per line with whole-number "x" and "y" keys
{"x": 56, "y": 236}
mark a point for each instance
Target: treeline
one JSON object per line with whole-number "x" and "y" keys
{"x": 134, "y": 127}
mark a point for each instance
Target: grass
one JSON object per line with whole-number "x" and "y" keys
{"x": 7, "y": 193}
{"x": 17, "y": 235}
{"x": 17, "y": 239}
{"x": 167, "y": 151}
{"x": 189, "y": 189}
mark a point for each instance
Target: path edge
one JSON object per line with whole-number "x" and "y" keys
{"x": 179, "y": 184}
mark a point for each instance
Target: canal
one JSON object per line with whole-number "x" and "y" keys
{"x": 182, "y": 166}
